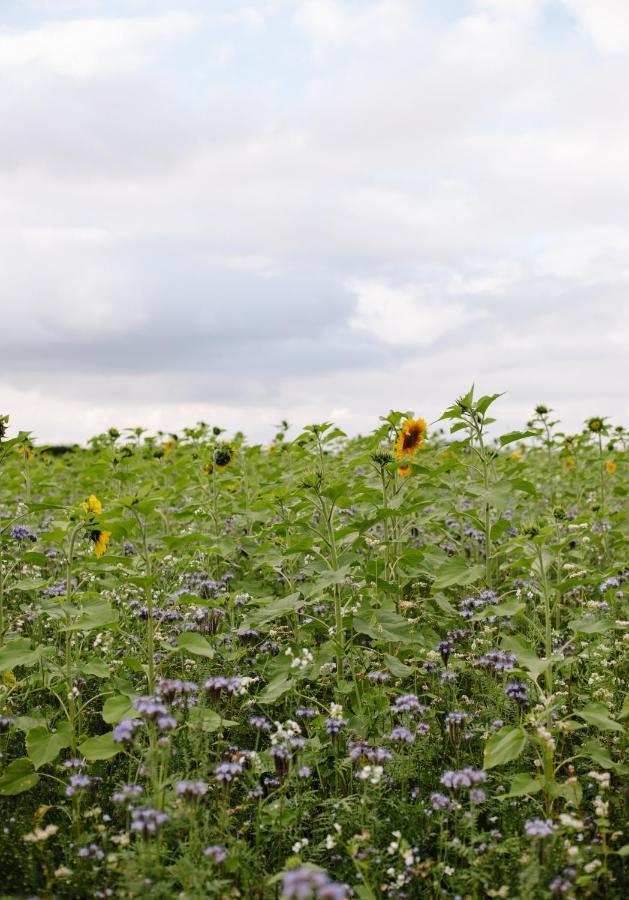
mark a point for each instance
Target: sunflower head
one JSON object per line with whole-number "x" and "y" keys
{"x": 4, "y": 424}
{"x": 595, "y": 424}
{"x": 100, "y": 539}
{"x": 610, "y": 466}
{"x": 26, "y": 452}
{"x": 404, "y": 471}
{"x": 410, "y": 437}
{"x": 542, "y": 410}
{"x": 92, "y": 505}
{"x": 224, "y": 454}
{"x": 516, "y": 455}
{"x": 570, "y": 462}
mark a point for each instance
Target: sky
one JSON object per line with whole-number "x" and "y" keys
{"x": 242, "y": 211}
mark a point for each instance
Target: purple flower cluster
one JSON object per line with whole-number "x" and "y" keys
{"x": 124, "y": 732}
{"x": 146, "y": 820}
{"x": 407, "y": 703}
{"x": 464, "y": 779}
{"x": 518, "y": 692}
{"x": 22, "y": 533}
{"x": 305, "y": 884}
{"x": 361, "y": 751}
{"x": 228, "y": 771}
{"x": 498, "y": 660}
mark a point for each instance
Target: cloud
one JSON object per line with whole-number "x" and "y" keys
{"x": 400, "y": 315}
{"x": 260, "y": 210}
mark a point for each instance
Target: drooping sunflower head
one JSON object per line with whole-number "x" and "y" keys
{"x": 224, "y": 454}
{"x": 595, "y": 424}
{"x": 92, "y": 505}
{"x": 100, "y": 539}
{"x": 410, "y": 437}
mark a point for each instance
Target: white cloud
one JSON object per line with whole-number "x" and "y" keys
{"x": 605, "y": 21}
{"x": 301, "y": 193}
{"x": 87, "y": 47}
{"x": 400, "y": 315}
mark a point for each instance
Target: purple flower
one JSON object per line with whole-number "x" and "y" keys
{"x": 191, "y": 790}
{"x": 22, "y": 533}
{"x": 518, "y": 692}
{"x": 407, "y": 703}
{"x": 78, "y": 784}
{"x": 466, "y": 778}
{"x": 304, "y": 884}
{"x": 260, "y": 723}
{"x": 402, "y": 735}
{"x": 124, "y": 732}
{"x": 228, "y": 771}
{"x": 539, "y": 827}
{"x": 147, "y": 820}
{"x": 216, "y": 853}
{"x": 440, "y": 802}
{"x": 127, "y": 792}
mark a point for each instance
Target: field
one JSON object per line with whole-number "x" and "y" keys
{"x": 372, "y": 667}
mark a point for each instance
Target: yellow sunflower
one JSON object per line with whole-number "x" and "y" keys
{"x": 101, "y": 539}
{"x": 92, "y": 505}
{"x": 610, "y": 466}
{"x": 410, "y": 438}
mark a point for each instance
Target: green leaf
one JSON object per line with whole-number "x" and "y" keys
{"x": 275, "y": 609}
{"x": 397, "y": 668}
{"x": 512, "y": 436}
{"x": 509, "y": 608}
{"x": 44, "y": 746}
{"x": 590, "y": 626}
{"x": 597, "y": 714}
{"x": 101, "y": 747}
{"x": 208, "y": 720}
{"x": 456, "y": 571}
{"x": 29, "y": 584}
{"x": 99, "y": 614}
{"x": 17, "y": 778}
{"x": 18, "y": 653}
{"x": 522, "y": 785}
{"x": 117, "y": 708}
{"x": 96, "y": 667}
{"x": 504, "y": 746}
{"x": 276, "y": 688}
{"x": 526, "y": 656}
{"x": 194, "y": 643}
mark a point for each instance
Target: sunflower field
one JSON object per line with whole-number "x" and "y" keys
{"x": 391, "y": 666}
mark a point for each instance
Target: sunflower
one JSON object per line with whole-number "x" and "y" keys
{"x": 596, "y": 424}
{"x": 92, "y": 505}
{"x": 610, "y": 466}
{"x": 224, "y": 454}
{"x": 410, "y": 438}
{"x": 101, "y": 539}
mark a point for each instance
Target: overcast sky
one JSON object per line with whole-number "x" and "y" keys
{"x": 248, "y": 210}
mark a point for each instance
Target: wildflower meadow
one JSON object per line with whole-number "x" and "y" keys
{"x": 386, "y": 666}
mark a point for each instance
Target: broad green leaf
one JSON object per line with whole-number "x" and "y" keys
{"x": 208, "y": 720}
{"x": 512, "y": 436}
{"x": 522, "y": 785}
{"x": 44, "y": 746}
{"x": 597, "y": 714}
{"x": 101, "y": 747}
{"x": 192, "y": 642}
{"x": 99, "y": 614}
{"x": 29, "y": 584}
{"x": 276, "y": 688}
{"x": 275, "y": 609}
{"x": 18, "y": 653}
{"x": 456, "y": 571}
{"x": 504, "y": 746}
{"x": 396, "y": 667}
{"x": 96, "y": 667}
{"x": 590, "y": 626}
{"x": 527, "y": 657}
{"x": 117, "y": 708}
{"x": 17, "y": 778}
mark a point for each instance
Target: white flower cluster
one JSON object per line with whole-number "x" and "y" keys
{"x": 284, "y": 732}
{"x": 301, "y": 660}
